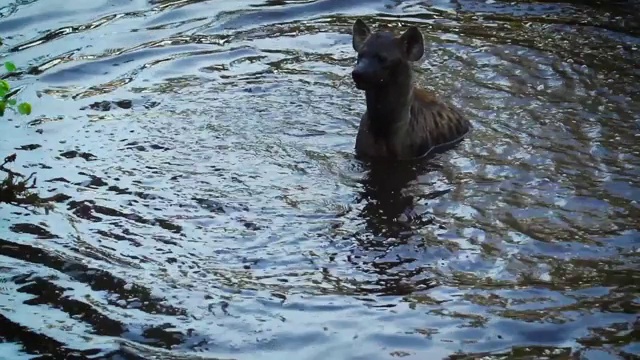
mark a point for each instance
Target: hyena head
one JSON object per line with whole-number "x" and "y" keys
{"x": 384, "y": 59}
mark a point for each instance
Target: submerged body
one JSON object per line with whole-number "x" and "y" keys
{"x": 401, "y": 120}
{"x": 431, "y": 125}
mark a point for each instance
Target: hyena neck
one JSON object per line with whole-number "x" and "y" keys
{"x": 388, "y": 108}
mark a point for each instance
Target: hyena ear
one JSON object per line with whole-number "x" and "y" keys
{"x": 360, "y": 33}
{"x": 412, "y": 43}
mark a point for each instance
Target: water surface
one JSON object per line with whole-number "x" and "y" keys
{"x": 215, "y": 208}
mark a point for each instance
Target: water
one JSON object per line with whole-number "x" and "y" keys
{"x": 215, "y": 209}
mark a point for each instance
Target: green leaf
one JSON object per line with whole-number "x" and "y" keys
{"x": 12, "y": 102}
{"x": 10, "y": 66}
{"x": 4, "y": 85}
{"x": 3, "y": 105}
{"x": 24, "y": 108}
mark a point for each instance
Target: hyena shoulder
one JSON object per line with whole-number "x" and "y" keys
{"x": 434, "y": 123}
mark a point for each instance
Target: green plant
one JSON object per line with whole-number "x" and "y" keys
{"x": 15, "y": 188}
{"x": 6, "y": 94}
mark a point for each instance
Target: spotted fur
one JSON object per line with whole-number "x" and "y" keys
{"x": 402, "y": 121}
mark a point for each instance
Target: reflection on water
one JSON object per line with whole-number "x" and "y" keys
{"x": 215, "y": 209}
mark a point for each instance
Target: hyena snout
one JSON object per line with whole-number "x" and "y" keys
{"x": 365, "y": 75}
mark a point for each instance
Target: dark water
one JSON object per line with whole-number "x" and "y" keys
{"x": 216, "y": 209}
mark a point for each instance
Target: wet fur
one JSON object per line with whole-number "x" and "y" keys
{"x": 402, "y": 121}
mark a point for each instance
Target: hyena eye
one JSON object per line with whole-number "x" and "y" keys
{"x": 381, "y": 59}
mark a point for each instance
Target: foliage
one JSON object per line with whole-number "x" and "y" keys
{"x": 6, "y": 94}
{"x": 16, "y": 188}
